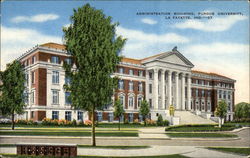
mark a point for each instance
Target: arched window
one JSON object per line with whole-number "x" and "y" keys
{"x": 131, "y": 101}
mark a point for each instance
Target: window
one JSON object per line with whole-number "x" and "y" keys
{"x": 140, "y": 87}
{"x": 55, "y": 77}
{"x": 68, "y": 115}
{"x": 130, "y": 101}
{"x": 130, "y": 117}
{"x": 202, "y": 82}
{"x": 110, "y": 116}
{"x": 55, "y": 59}
{"x": 208, "y": 106}
{"x": 139, "y": 101}
{"x": 67, "y": 98}
{"x": 202, "y": 93}
{"x": 131, "y": 72}
{"x": 150, "y": 103}
{"x": 32, "y": 114}
{"x": 26, "y": 97}
{"x": 121, "y": 70}
{"x": 229, "y": 95}
{"x": 32, "y": 97}
{"x": 203, "y": 105}
{"x": 150, "y": 75}
{"x": 120, "y": 84}
{"x": 150, "y": 88}
{"x": 80, "y": 116}
{"x": 208, "y": 83}
{"x": 32, "y": 77}
{"x": 121, "y": 98}
{"x": 208, "y": 93}
{"x": 68, "y": 61}
{"x": 140, "y": 73}
{"x": 26, "y": 79}
{"x": 225, "y": 93}
{"x": 197, "y": 81}
{"x": 196, "y": 92}
{"x": 67, "y": 80}
{"x": 55, "y": 115}
{"x": 99, "y": 116}
{"x": 55, "y": 97}
{"x": 229, "y": 107}
{"x": 131, "y": 85}
{"x": 220, "y": 93}
{"x": 33, "y": 60}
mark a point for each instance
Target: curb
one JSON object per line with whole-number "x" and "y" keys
{"x": 66, "y": 137}
{"x": 206, "y": 139}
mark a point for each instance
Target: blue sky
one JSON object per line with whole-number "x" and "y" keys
{"x": 219, "y": 45}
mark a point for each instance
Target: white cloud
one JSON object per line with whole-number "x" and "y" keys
{"x": 16, "y": 41}
{"x": 228, "y": 59}
{"x": 35, "y": 18}
{"x": 140, "y": 44}
{"x": 217, "y": 48}
{"x": 149, "y": 21}
{"x": 213, "y": 25}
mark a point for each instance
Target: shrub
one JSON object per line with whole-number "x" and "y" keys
{"x": 22, "y": 122}
{"x": 74, "y": 122}
{"x": 150, "y": 122}
{"x": 30, "y": 122}
{"x": 88, "y": 122}
{"x": 165, "y": 123}
{"x": 136, "y": 122}
{"x": 126, "y": 121}
{"x": 80, "y": 123}
{"x": 159, "y": 120}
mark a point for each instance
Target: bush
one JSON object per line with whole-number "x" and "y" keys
{"x": 126, "y": 121}
{"x": 136, "y": 122}
{"x": 22, "y": 122}
{"x": 74, "y": 122}
{"x": 165, "y": 123}
{"x": 88, "y": 122}
{"x": 159, "y": 121}
{"x": 150, "y": 122}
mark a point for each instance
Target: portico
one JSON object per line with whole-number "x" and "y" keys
{"x": 168, "y": 78}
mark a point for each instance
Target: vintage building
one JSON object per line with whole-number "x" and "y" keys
{"x": 163, "y": 79}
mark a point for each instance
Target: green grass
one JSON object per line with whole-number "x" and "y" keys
{"x": 202, "y": 135}
{"x": 69, "y": 133}
{"x": 201, "y": 128}
{"x": 241, "y": 151}
{"x": 88, "y": 156}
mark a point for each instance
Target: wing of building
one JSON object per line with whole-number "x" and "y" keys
{"x": 163, "y": 79}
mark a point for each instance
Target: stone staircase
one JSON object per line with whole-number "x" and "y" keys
{"x": 187, "y": 117}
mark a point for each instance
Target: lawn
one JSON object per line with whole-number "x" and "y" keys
{"x": 201, "y": 135}
{"x": 201, "y": 128}
{"x": 241, "y": 151}
{"x": 70, "y": 133}
{"x": 87, "y": 156}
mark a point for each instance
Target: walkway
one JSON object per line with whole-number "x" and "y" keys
{"x": 196, "y": 152}
{"x": 153, "y": 133}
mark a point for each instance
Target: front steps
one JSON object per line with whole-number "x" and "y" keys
{"x": 186, "y": 117}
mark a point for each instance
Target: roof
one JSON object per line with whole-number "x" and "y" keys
{"x": 130, "y": 60}
{"x": 54, "y": 45}
{"x": 153, "y": 56}
{"x": 210, "y": 73}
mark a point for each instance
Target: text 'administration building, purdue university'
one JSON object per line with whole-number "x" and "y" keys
{"x": 162, "y": 79}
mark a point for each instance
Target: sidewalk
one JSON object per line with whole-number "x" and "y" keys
{"x": 153, "y": 133}
{"x": 196, "y": 152}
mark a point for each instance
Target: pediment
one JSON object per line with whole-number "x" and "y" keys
{"x": 175, "y": 58}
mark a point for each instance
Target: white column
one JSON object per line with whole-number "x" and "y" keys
{"x": 177, "y": 90}
{"x": 169, "y": 88}
{"x": 163, "y": 88}
{"x": 183, "y": 91}
{"x": 189, "y": 92}
{"x": 156, "y": 89}
{"x": 147, "y": 86}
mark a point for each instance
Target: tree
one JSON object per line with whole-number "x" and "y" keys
{"x": 119, "y": 110}
{"x": 159, "y": 121}
{"x": 221, "y": 111}
{"x": 12, "y": 90}
{"x": 242, "y": 110}
{"x": 94, "y": 47}
{"x": 144, "y": 110}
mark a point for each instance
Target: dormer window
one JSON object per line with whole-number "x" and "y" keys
{"x": 55, "y": 59}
